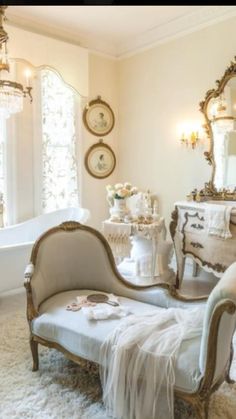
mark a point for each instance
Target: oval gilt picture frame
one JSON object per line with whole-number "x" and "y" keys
{"x": 100, "y": 160}
{"x": 98, "y": 117}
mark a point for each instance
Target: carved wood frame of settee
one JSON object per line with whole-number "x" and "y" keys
{"x": 200, "y": 399}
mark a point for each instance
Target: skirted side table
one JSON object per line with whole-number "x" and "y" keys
{"x": 140, "y": 250}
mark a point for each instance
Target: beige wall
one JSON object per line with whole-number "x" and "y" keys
{"x": 158, "y": 89}
{"x": 71, "y": 61}
{"x": 103, "y": 82}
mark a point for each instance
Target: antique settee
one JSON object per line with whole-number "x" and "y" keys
{"x": 73, "y": 259}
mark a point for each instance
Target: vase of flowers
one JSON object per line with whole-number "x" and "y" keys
{"x": 117, "y": 196}
{"x": 119, "y": 210}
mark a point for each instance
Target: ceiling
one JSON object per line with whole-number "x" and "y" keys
{"x": 116, "y": 30}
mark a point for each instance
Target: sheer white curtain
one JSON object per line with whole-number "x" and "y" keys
{"x": 59, "y": 168}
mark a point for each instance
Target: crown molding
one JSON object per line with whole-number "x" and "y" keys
{"x": 101, "y": 47}
{"x": 191, "y": 22}
{"x": 206, "y": 16}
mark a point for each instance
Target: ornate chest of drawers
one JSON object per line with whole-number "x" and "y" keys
{"x": 190, "y": 238}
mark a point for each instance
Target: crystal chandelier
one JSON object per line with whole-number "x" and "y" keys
{"x": 11, "y": 92}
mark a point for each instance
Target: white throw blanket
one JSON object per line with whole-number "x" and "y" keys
{"x": 102, "y": 311}
{"x": 137, "y": 362}
{"x": 217, "y": 220}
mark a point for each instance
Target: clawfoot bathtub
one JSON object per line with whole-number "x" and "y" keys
{"x": 16, "y": 243}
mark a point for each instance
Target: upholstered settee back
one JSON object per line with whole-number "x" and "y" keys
{"x": 78, "y": 259}
{"x": 224, "y": 291}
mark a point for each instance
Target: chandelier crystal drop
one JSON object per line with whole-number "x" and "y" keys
{"x": 11, "y": 92}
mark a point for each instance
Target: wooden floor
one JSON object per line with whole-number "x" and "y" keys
{"x": 200, "y": 285}
{"x": 193, "y": 286}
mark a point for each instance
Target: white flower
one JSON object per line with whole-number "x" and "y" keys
{"x": 118, "y": 186}
{"x": 123, "y": 193}
{"x": 111, "y": 194}
{"x": 134, "y": 190}
{"x": 128, "y": 186}
{"x": 119, "y": 191}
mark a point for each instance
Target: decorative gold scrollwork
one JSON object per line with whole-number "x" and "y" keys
{"x": 197, "y": 226}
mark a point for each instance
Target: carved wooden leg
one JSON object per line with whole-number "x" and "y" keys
{"x": 206, "y": 408}
{"x": 177, "y": 281}
{"x": 200, "y": 411}
{"x": 34, "y": 351}
{"x": 227, "y": 376}
{"x": 180, "y": 271}
{"x": 195, "y": 268}
{"x": 199, "y": 406}
{"x": 228, "y": 379}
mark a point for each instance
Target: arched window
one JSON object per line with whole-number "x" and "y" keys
{"x": 59, "y": 145}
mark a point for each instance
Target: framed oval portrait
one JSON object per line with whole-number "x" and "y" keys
{"x": 100, "y": 160}
{"x": 98, "y": 117}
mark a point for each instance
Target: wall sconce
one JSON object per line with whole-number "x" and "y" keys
{"x": 190, "y": 133}
{"x": 190, "y": 139}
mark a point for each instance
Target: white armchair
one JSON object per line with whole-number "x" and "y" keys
{"x": 74, "y": 259}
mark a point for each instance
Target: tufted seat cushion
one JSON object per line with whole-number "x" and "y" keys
{"x": 83, "y": 337}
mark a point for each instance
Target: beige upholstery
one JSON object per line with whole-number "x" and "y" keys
{"x": 78, "y": 260}
{"x": 84, "y": 337}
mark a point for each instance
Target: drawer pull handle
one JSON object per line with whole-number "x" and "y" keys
{"x": 197, "y": 226}
{"x": 197, "y": 245}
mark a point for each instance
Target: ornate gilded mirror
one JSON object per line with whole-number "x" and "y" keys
{"x": 219, "y": 109}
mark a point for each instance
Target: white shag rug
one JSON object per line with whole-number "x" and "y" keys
{"x": 62, "y": 389}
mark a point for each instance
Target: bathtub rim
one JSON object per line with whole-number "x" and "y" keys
{"x": 79, "y": 214}
{"x": 16, "y": 246}
{"x": 86, "y": 215}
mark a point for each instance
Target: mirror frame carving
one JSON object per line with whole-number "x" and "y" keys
{"x": 210, "y": 191}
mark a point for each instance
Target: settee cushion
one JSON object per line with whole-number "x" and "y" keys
{"x": 83, "y": 337}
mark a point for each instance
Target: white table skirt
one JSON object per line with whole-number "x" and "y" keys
{"x": 138, "y": 242}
